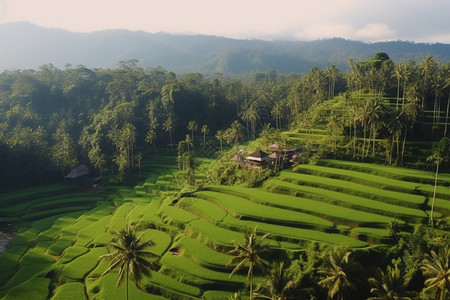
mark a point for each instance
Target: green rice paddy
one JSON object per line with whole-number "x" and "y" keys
{"x": 62, "y": 232}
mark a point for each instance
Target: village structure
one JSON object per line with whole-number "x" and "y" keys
{"x": 261, "y": 160}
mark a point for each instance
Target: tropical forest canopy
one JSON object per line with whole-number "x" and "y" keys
{"x": 52, "y": 120}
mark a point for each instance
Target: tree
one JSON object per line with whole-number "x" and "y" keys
{"x": 234, "y": 133}
{"x": 150, "y": 138}
{"x": 277, "y": 113}
{"x": 168, "y": 126}
{"x": 436, "y": 268}
{"x": 332, "y": 74}
{"x": 63, "y": 152}
{"x": 250, "y": 114}
{"x": 205, "y": 131}
{"x": 192, "y": 126}
{"x": 97, "y": 159}
{"x": 250, "y": 252}
{"x": 220, "y": 135}
{"x": 339, "y": 273}
{"x": 277, "y": 285}
{"x": 389, "y": 285}
{"x": 127, "y": 252}
{"x": 439, "y": 151}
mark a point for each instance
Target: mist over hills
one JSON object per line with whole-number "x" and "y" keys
{"x": 27, "y": 46}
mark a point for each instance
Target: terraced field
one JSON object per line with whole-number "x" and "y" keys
{"x": 62, "y": 232}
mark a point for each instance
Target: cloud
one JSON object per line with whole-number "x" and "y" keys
{"x": 375, "y": 32}
{"x": 418, "y": 20}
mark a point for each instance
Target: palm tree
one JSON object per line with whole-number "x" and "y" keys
{"x": 340, "y": 274}
{"x": 249, "y": 252}
{"x": 436, "y": 268}
{"x": 127, "y": 253}
{"x": 374, "y": 110}
{"x": 332, "y": 74}
{"x": 277, "y": 113}
{"x": 205, "y": 131}
{"x": 220, "y": 135}
{"x": 251, "y": 114}
{"x": 278, "y": 285}
{"x": 168, "y": 126}
{"x": 234, "y": 133}
{"x": 192, "y": 126}
{"x": 389, "y": 285}
{"x": 395, "y": 127}
{"x": 151, "y": 137}
{"x": 439, "y": 150}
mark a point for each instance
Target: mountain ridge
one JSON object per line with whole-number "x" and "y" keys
{"x": 28, "y": 46}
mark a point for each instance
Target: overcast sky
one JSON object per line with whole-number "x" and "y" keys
{"x": 364, "y": 20}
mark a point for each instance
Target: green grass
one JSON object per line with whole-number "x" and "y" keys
{"x": 177, "y": 215}
{"x": 105, "y": 288}
{"x": 70, "y": 253}
{"x": 213, "y": 233}
{"x": 241, "y": 207}
{"x": 82, "y": 265}
{"x": 166, "y": 285}
{"x": 407, "y": 200}
{"x": 91, "y": 231}
{"x": 357, "y": 202}
{"x": 299, "y": 234}
{"x": 204, "y": 208}
{"x": 161, "y": 239}
{"x": 324, "y": 209}
{"x": 201, "y": 253}
{"x": 60, "y": 244}
{"x": 69, "y": 291}
{"x": 373, "y": 180}
{"x": 373, "y": 232}
{"x": 35, "y": 289}
{"x": 406, "y": 174}
{"x": 185, "y": 265}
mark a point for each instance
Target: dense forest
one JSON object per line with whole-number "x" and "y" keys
{"x": 52, "y": 120}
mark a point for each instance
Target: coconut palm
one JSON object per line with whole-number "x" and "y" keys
{"x": 205, "y": 131}
{"x": 250, "y": 252}
{"x": 278, "y": 285}
{"x": 251, "y": 114}
{"x": 234, "y": 133}
{"x": 339, "y": 274}
{"x": 168, "y": 126}
{"x": 192, "y": 126}
{"x": 220, "y": 135}
{"x": 439, "y": 150}
{"x": 436, "y": 268}
{"x": 127, "y": 252}
{"x": 389, "y": 285}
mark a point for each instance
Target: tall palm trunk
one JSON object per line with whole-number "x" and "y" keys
{"x": 446, "y": 116}
{"x": 250, "y": 278}
{"x": 434, "y": 194}
{"x": 127, "y": 282}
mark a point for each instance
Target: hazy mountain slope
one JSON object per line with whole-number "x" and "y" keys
{"x": 25, "y": 46}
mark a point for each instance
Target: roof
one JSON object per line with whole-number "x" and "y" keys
{"x": 274, "y": 147}
{"x": 79, "y": 171}
{"x": 258, "y": 156}
{"x": 238, "y": 158}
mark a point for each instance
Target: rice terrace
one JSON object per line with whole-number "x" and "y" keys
{"x": 143, "y": 184}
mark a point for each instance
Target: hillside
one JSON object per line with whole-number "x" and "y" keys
{"x": 62, "y": 232}
{"x": 27, "y": 46}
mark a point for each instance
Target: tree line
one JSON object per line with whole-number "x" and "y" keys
{"x": 52, "y": 119}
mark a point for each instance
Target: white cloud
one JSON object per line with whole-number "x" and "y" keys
{"x": 302, "y": 19}
{"x": 375, "y": 32}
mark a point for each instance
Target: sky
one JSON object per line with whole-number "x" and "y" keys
{"x": 362, "y": 20}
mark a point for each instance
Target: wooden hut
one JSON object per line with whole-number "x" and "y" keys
{"x": 258, "y": 159}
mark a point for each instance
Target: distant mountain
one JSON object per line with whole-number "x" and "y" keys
{"x": 26, "y": 46}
